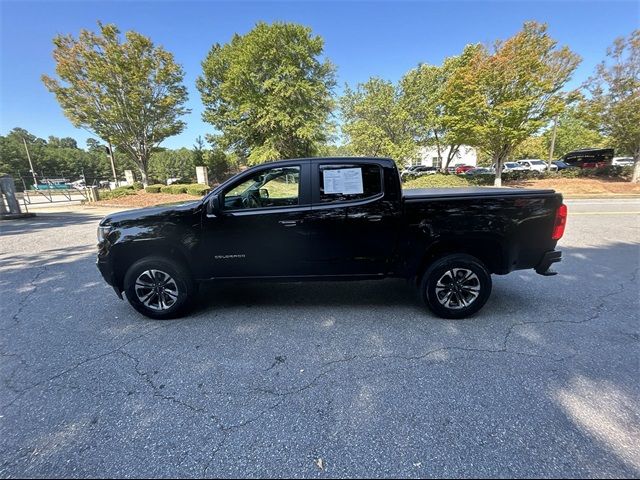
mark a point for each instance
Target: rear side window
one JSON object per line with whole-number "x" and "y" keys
{"x": 344, "y": 183}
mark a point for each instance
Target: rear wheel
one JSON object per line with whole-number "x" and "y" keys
{"x": 158, "y": 288}
{"x": 456, "y": 286}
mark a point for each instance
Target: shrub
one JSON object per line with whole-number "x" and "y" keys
{"x": 198, "y": 189}
{"x": 154, "y": 188}
{"x": 116, "y": 193}
{"x": 438, "y": 180}
{"x": 137, "y": 186}
{"x": 174, "y": 189}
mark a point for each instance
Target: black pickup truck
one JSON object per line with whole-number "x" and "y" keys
{"x": 331, "y": 219}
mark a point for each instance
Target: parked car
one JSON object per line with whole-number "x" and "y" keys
{"x": 562, "y": 165}
{"x": 509, "y": 167}
{"x": 622, "y": 161}
{"x": 417, "y": 171}
{"x": 78, "y": 185}
{"x": 589, "y": 157}
{"x": 537, "y": 165}
{"x": 460, "y": 169}
{"x": 479, "y": 171}
{"x": 331, "y": 219}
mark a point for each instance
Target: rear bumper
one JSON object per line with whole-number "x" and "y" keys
{"x": 548, "y": 259}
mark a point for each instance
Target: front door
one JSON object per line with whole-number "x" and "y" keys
{"x": 261, "y": 230}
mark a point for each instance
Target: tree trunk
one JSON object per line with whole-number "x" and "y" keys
{"x": 143, "y": 162}
{"x": 499, "y": 162}
{"x": 635, "y": 178}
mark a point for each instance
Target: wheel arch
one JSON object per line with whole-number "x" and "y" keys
{"x": 489, "y": 250}
{"x": 128, "y": 253}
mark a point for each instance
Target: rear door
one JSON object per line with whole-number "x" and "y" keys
{"x": 352, "y": 226}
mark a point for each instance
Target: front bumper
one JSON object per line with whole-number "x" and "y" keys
{"x": 106, "y": 270}
{"x": 549, "y": 258}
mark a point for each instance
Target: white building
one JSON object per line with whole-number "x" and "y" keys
{"x": 428, "y": 156}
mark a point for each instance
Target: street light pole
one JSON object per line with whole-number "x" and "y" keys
{"x": 553, "y": 141}
{"x": 35, "y": 181}
{"x": 113, "y": 163}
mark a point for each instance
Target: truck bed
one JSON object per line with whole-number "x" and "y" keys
{"x": 419, "y": 194}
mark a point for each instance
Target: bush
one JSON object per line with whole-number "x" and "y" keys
{"x": 137, "y": 186}
{"x": 438, "y": 180}
{"x": 198, "y": 189}
{"x": 154, "y": 188}
{"x": 116, "y": 193}
{"x": 174, "y": 189}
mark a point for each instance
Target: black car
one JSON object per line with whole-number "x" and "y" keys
{"x": 562, "y": 165}
{"x": 331, "y": 219}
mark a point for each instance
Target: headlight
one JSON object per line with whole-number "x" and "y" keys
{"x": 103, "y": 231}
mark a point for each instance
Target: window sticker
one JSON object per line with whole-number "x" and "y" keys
{"x": 346, "y": 181}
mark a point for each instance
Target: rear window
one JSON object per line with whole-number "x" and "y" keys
{"x": 349, "y": 182}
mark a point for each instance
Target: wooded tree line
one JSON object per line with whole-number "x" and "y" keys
{"x": 270, "y": 94}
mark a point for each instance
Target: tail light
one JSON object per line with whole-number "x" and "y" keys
{"x": 560, "y": 222}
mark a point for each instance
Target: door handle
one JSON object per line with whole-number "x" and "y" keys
{"x": 288, "y": 223}
{"x": 374, "y": 218}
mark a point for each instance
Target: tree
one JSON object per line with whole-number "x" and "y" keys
{"x": 436, "y": 117}
{"x": 513, "y": 92}
{"x": 615, "y": 97}
{"x": 198, "y": 152}
{"x": 167, "y": 164}
{"x": 268, "y": 93}
{"x": 375, "y": 122}
{"x": 128, "y": 92}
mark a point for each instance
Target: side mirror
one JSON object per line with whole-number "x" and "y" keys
{"x": 264, "y": 193}
{"x": 214, "y": 206}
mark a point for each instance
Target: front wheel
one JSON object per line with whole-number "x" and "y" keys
{"x": 456, "y": 286}
{"x": 158, "y": 288}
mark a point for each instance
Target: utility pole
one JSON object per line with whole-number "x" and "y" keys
{"x": 553, "y": 141}
{"x": 35, "y": 181}
{"x": 113, "y": 163}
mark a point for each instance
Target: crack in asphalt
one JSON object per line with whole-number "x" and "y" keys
{"x": 77, "y": 365}
{"x": 218, "y": 424}
{"x": 23, "y": 301}
{"x": 597, "y": 312}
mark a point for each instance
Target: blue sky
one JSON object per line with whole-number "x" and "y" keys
{"x": 362, "y": 39}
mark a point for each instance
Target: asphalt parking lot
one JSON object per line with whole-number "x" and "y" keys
{"x": 321, "y": 380}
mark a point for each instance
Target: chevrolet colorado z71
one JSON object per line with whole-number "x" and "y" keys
{"x": 331, "y": 219}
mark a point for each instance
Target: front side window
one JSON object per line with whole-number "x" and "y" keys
{"x": 342, "y": 183}
{"x": 276, "y": 187}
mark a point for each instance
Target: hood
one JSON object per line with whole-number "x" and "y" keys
{"x": 160, "y": 211}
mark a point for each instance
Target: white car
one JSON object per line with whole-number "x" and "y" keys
{"x": 78, "y": 185}
{"x": 537, "y": 165}
{"x": 622, "y": 161}
{"x": 509, "y": 167}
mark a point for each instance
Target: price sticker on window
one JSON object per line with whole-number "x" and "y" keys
{"x": 345, "y": 181}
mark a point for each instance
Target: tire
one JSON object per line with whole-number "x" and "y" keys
{"x": 460, "y": 298}
{"x": 176, "y": 287}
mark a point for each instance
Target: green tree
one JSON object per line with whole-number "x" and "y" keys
{"x": 512, "y": 92}
{"x": 167, "y": 164}
{"x": 615, "y": 97}
{"x": 437, "y": 118}
{"x": 268, "y": 93}
{"x": 198, "y": 152}
{"x": 375, "y": 122}
{"x": 574, "y": 131}
{"x": 129, "y": 92}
